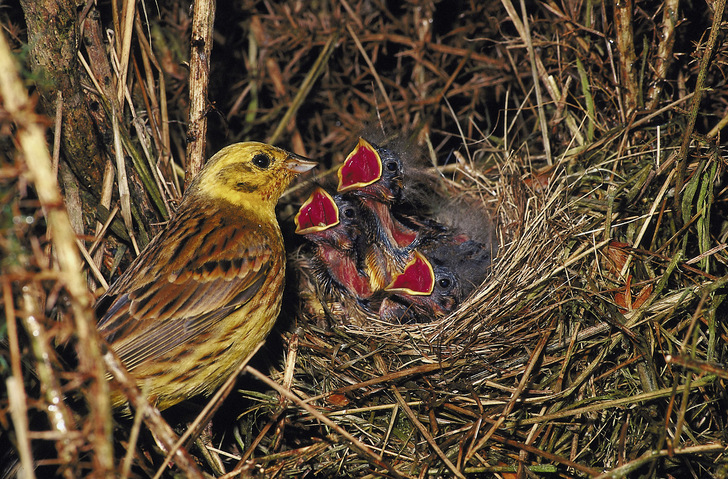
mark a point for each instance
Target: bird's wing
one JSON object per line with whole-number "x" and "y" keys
{"x": 181, "y": 297}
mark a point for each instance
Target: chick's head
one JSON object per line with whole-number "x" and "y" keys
{"x": 436, "y": 281}
{"x": 372, "y": 171}
{"x": 460, "y": 268}
{"x": 326, "y": 219}
{"x": 250, "y": 176}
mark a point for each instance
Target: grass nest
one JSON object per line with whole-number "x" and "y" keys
{"x": 595, "y": 348}
{"x": 558, "y": 347}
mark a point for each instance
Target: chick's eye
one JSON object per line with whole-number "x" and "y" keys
{"x": 391, "y": 166}
{"x": 445, "y": 283}
{"x": 349, "y": 213}
{"x": 262, "y": 161}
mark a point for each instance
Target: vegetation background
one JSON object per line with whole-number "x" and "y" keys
{"x": 591, "y": 132}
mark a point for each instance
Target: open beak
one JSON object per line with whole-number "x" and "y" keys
{"x": 361, "y": 168}
{"x": 417, "y": 278}
{"x": 318, "y": 213}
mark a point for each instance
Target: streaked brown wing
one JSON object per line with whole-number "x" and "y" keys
{"x": 188, "y": 279}
{"x": 159, "y": 337}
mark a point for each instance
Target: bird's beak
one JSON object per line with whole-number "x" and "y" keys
{"x": 361, "y": 168}
{"x": 298, "y": 164}
{"x": 318, "y": 213}
{"x": 417, "y": 278}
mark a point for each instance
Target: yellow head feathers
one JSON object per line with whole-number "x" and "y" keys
{"x": 249, "y": 173}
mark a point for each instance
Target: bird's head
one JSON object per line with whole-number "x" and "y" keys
{"x": 249, "y": 175}
{"x": 323, "y": 218}
{"x": 414, "y": 294}
{"x": 372, "y": 171}
{"x": 416, "y": 279}
{"x": 435, "y": 283}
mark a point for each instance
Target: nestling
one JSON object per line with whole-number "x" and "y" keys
{"x": 436, "y": 281}
{"x": 334, "y": 227}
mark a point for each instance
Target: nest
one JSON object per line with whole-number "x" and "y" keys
{"x": 596, "y": 346}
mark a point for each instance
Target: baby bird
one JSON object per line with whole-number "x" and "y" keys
{"x": 208, "y": 287}
{"x": 374, "y": 177}
{"x": 371, "y": 171}
{"x": 333, "y": 270}
{"x": 333, "y": 225}
{"x": 406, "y": 267}
{"x": 436, "y": 281}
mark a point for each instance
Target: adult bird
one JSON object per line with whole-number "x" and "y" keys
{"x": 208, "y": 287}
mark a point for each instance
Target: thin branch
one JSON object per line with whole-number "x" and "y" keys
{"x": 200, "y": 51}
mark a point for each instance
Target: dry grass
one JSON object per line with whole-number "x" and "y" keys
{"x": 591, "y": 133}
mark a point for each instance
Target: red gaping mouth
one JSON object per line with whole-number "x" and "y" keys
{"x": 417, "y": 278}
{"x": 318, "y": 213}
{"x": 361, "y": 168}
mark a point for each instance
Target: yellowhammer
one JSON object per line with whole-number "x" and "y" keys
{"x": 208, "y": 288}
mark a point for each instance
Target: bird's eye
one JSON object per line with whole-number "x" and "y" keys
{"x": 349, "y": 213}
{"x": 392, "y": 166}
{"x": 445, "y": 283}
{"x": 262, "y": 161}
